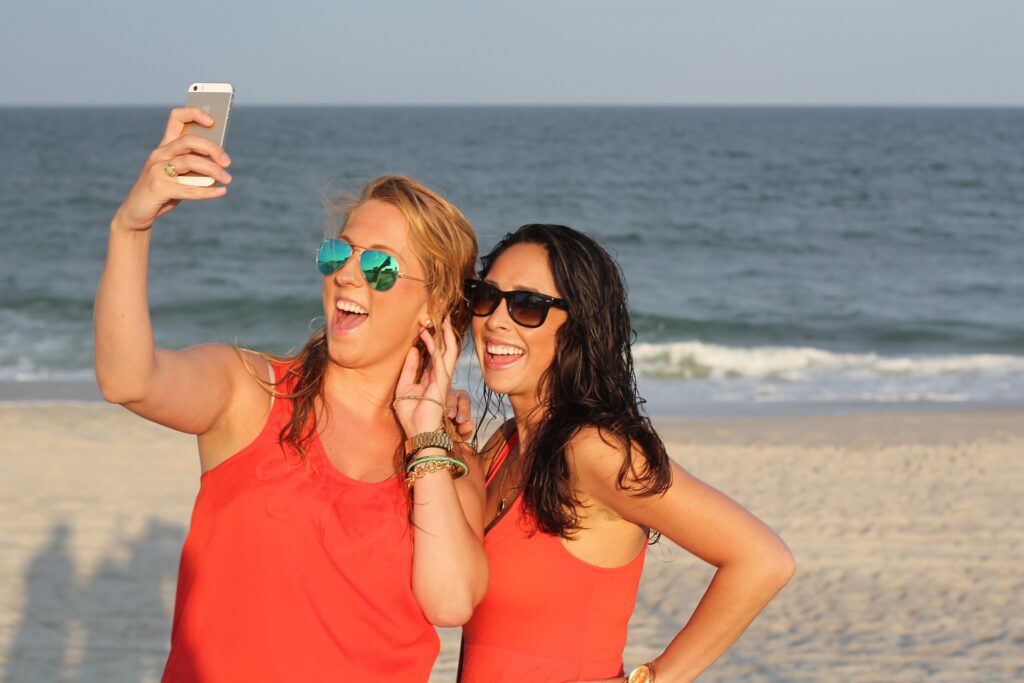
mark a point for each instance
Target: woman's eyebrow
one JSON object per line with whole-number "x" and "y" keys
{"x": 384, "y": 247}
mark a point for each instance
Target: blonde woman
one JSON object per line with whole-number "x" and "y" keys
{"x": 304, "y": 560}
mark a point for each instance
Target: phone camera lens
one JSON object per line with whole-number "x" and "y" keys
{"x": 195, "y": 87}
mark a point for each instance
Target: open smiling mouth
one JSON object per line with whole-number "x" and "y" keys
{"x": 348, "y": 315}
{"x": 502, "y": 355}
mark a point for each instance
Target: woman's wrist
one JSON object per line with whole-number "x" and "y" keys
{"x": 119, "y": 225}
{"x": 641, "y": 674}
{"x": 424, "y": 426}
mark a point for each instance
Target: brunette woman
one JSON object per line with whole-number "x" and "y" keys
{"x": 578, "y": 481}
{"x": 304, "y": 560}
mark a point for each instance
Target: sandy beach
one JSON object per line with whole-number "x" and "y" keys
{"x": 907, "y": 529}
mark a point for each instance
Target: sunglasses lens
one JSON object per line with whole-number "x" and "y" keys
{"x": 529, "y": 310}
{"x": 331, "y": 256}
{"x": 483, "y": 298}
{"x": 379, "y": 269}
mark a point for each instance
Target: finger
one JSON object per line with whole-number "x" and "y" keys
{"x": 438, "y": 370}
{"x": 428, "y": 341}
{"x": 452, "y": 404}
{"x": 182, "y": 116}
{"x": 412, "y": 361}
{"x": 193, "y": 144}
{"x": 193, "y": 163}
{"x": 177, "y": 191}
{"x": 451, "y": 345}
{"x": 463, "y": 406}
{"x": 465, "y": 429}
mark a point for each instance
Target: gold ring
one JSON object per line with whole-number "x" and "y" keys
{"x": 170, "y": 170}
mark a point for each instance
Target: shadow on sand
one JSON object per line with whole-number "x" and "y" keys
{"x": 114, "y": 627}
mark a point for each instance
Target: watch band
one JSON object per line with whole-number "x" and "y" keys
{"x": 438, "y": 438}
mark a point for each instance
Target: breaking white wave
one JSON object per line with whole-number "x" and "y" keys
{"x": 697, "y": 360}
{"x": 697, "y": 371}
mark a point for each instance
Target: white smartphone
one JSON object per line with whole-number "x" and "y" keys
{"x": 215, "y": 99}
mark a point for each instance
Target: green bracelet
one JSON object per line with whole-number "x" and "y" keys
{"x": 438, "y": 458}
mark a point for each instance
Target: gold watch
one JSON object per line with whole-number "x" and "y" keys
{"x": 438, "y": 438}
{"x": 642, "y": 674}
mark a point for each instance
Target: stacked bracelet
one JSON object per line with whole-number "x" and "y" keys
{"x": 455, "y": 462}
{"x": 421, "y": 467}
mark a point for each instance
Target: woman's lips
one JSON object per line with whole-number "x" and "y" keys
{"x": 500, "y": 360}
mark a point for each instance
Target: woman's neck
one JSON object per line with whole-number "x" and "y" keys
{"x": 528, "y": 415}
{"x": 363, "y": 392}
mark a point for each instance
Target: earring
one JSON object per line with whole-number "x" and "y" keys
{"x": 428, "y": 323}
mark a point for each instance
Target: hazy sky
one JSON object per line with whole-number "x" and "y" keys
{"x": 516, "y": 51}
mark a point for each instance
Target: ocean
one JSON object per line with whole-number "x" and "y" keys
{"x": 777, "y": 258}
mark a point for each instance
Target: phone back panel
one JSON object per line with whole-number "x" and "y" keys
{"x": 217, "y": 105}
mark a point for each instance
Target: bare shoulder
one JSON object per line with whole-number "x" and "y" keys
{"x": 594, "y": 454}
{"x": 249, "y": 379}
{"x": 606, "y": 466}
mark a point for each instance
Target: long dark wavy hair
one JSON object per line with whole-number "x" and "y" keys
{"x": 590, "y": 382}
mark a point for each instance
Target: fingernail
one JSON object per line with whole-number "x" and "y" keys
{"x": 227, "y": 159}
{"x": 451, "y": 412}
{"x": 461, "y": 417}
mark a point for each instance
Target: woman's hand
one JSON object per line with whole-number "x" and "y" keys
{"x": 416, "y": 414}
{"x": 157, "y": 191}
{"x": 458, "y": 413}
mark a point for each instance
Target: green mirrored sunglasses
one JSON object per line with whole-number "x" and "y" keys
{"x": 379, "y": 268}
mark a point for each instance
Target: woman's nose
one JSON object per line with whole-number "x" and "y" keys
{"x": 349, "y": 273}
{"x": 499, "y": 319}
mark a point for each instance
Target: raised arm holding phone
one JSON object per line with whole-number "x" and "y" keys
{"x": 336, "y": 520}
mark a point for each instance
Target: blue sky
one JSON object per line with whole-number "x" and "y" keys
{"x": 522, "y": 52}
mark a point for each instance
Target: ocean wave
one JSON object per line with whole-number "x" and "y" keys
{"x": 699, "y": 360}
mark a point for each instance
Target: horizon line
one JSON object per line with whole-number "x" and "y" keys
{"x": 650, "y": 105}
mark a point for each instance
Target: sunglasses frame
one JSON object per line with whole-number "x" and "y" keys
{"x": 361, "y": 252}
{"x": 508, "y": 297}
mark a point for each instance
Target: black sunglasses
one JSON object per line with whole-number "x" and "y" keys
{"x": 528, "y": 309}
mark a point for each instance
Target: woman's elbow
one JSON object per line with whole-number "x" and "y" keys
{"x": 447, "y": 611}
{"x": 449, "y": 615}
{"x": 116, "y": 388}
{"x": 779, "y": 566}
{"x": 453, "y": 608}
{"x": 113, "y": 393}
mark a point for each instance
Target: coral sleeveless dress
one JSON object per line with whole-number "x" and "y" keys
{"x": 296, "y": 573}
{"x": 548, "y": 617}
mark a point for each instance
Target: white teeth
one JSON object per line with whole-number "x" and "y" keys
{"x": 504, "y": 350}
{"x": 350, "y": 307}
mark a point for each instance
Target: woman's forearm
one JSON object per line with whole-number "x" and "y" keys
{"x": 125, "y": 356}
{"x": 449, "y": 564}
{"x": 735, "y": 596}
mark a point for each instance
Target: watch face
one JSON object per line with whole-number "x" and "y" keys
{"x": 641, "y": 674}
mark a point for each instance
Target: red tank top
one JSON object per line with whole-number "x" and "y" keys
{"x": 296, "y": 573}
{"x": 548, "y": 617}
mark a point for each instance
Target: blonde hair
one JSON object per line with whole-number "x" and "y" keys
{"x": 444, "y": 242}
{"x": 440, "y": 235}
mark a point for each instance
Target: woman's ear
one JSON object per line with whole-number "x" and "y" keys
{"x": 427, "y": 317}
